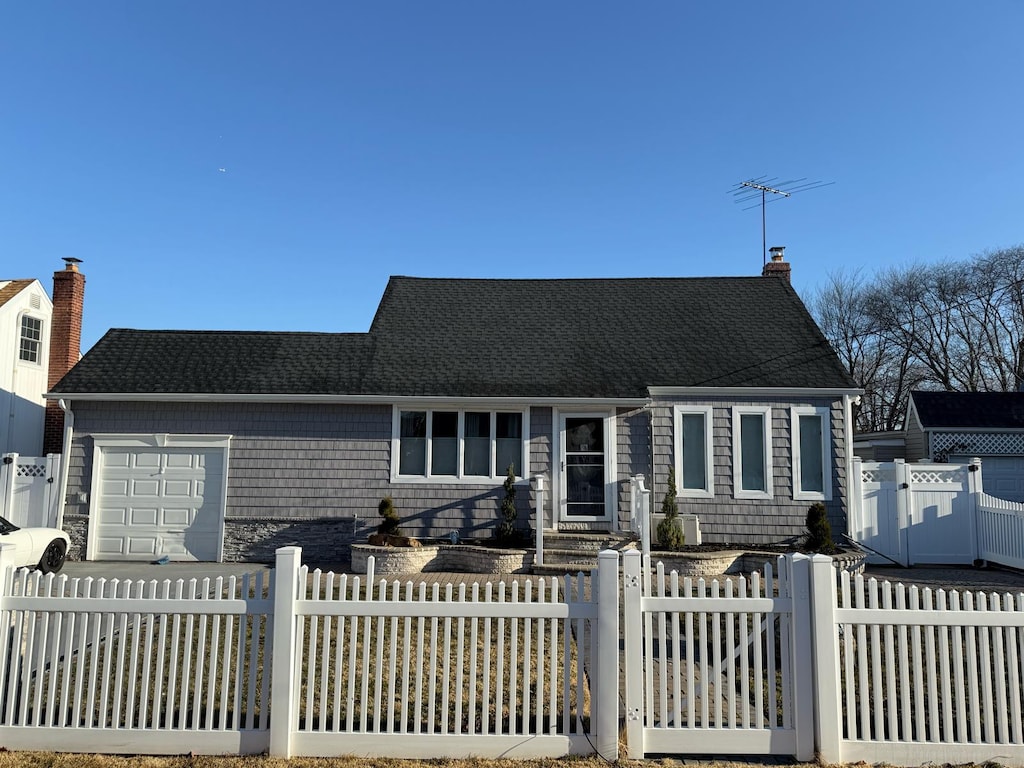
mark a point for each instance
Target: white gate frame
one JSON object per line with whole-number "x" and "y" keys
{"x": 641, "y": 603}
{"x": 33, "y": 482}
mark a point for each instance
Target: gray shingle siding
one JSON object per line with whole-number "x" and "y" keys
{"x": 301, "y": 462}
{"x": 726, "y": 519}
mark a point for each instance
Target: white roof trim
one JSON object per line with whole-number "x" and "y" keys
{"x": 636, "y": 402}
{"x": 752, "y": 391}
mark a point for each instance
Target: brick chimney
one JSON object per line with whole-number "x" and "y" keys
{"x": 778, "y": 266}
{"x": 65, "y": 344}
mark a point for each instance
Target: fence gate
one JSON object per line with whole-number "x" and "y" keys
{"x": 916, "y": 513}
{"x": 29, "y": 487}
{"x": 718, "y": 668}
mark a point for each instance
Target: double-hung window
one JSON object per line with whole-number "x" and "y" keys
{"x": 694, "y": 467}
{"x": 447, "y": 444}
{"x": 812, "y": 477}
{"x": 752, "y": 452}
{"x": 30, "y": 340}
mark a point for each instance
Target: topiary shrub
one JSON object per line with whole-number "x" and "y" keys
{"x": 819, "y": 531}
{"x": 670, "y": 529}
{"x": 506, "y": 532}
{"x": 389, "y": 524}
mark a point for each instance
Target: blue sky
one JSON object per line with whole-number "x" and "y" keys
{"x": 489, "y": 139}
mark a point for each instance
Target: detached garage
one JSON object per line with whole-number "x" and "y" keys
{"x": 959, "y": 426}
{"x": 158, "y": 495}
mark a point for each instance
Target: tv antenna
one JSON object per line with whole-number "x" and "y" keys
{"x": 762, "y": 187}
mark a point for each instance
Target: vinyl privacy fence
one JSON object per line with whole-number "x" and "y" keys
{"x": 792, "y": 660}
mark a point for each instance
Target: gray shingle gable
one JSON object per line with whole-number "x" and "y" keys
{"x": 585, "y": 338}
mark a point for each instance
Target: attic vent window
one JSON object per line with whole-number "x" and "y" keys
{"x": 31, "y": 337}
{"x": 34, "y": 301}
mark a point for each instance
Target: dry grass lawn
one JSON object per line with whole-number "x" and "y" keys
{"x": 56, "y": 760}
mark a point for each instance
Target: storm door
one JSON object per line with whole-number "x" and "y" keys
{"x": 584, "y": 474}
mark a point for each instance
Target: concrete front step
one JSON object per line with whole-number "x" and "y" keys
{"x": 572, "y": 551}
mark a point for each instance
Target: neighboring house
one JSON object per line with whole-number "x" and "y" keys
{"x": 957, "y": 426}
{"x": 880, "y": 446}
{"x": 215, "y": 445}
{"x": 25, "y": 318}
{"x": 39, "y": 343}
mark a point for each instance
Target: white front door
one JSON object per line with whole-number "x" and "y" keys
{"x": 586, "y": 472}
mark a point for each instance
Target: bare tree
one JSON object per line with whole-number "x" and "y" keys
{"x": 952, "y": 325}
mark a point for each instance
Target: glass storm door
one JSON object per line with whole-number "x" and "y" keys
{"x": 584, "y": 478}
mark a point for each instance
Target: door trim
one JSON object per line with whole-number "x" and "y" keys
{"x": 610, "y": 516}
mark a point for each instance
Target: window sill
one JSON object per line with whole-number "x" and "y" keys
{"x": 760, "y": 495}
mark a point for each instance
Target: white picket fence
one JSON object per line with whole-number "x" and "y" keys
{"x": 788, "y": 661}
{"x": 907, "y": 676}
{"x": 932, "y": 513}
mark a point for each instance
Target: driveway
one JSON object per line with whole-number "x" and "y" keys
{"x": 952, "y": 577}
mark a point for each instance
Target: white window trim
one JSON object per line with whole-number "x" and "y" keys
{"x": 708, "y": 492}
{"x": 496, "y": 474}
{"x": 737, "y": 463}
{"x": 795, "y": 412}
{"x": 38, "y": 362}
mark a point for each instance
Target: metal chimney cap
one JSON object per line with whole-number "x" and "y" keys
{"x": 778, "y": 252}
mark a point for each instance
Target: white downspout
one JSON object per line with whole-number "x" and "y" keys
{"x": 65, "y": 459}
{"x": 848, "y": 403}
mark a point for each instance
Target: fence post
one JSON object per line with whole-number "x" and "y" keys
{"x": 607, "y": 716}
{"x": 803, "y": 681}
{"x": 904, "y": 501}
{"x": 539, "y": 515}
{"x": 283, "y": 683}
{"x": 633, "y": 661}
{"x": 10, "y": 470}
{"x": 827, "y": 693}
{"x": 974, "y": 486}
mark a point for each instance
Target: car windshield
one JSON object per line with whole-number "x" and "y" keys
{"x": 6, "y": 526}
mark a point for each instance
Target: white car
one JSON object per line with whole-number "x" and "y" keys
{"x": 42, "y": 548}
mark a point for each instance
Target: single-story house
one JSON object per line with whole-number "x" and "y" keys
{"x": 213, "y": 445}
{"x": 958, "y": 426}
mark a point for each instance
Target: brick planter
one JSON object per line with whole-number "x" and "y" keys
{"x": 455, "y": 558}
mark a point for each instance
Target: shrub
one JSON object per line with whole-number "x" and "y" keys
{"x": 670, "y": 529}
{"x": 819, "y": 531}
{"x": 506, "y": 532}
{"x": 389, "y": 524}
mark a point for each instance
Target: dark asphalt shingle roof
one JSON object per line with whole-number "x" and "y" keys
{"x": 981, "y": 410}
{"x": 501, "y": 338}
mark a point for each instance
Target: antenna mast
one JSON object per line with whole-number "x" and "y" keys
{"x": 751, "y": 189}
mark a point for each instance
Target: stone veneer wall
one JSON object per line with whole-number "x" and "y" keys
{"x": 711, "y": 564}
{"x": 444, "y": 557}
{"x": 77, "y": 529}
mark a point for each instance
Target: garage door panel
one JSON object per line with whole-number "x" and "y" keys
{"x": 113, "y": 516}
{"x": 110, "y": 545}
{"x": 142, "y": 545}
{"x": 145, "y": 487}
{"x": 142, "y": 516}
{"x": 146, "y": 459}
{"x": 116, "y": 458}
{"x": 176, "y": 517}
{"x": 114, "y": 488}
{"x": 183, "y": 489}
{"x": 160, "y": 501}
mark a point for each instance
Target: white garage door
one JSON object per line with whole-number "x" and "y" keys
{"x": 1001, "y": 476}
{"x": 155, "y": 501}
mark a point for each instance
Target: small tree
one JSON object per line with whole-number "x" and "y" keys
{"x": 819, "y": 531}
{"x": 507, "y": 525}
{"x": 670, "y": 529}
{"x": 389, "y": 524}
